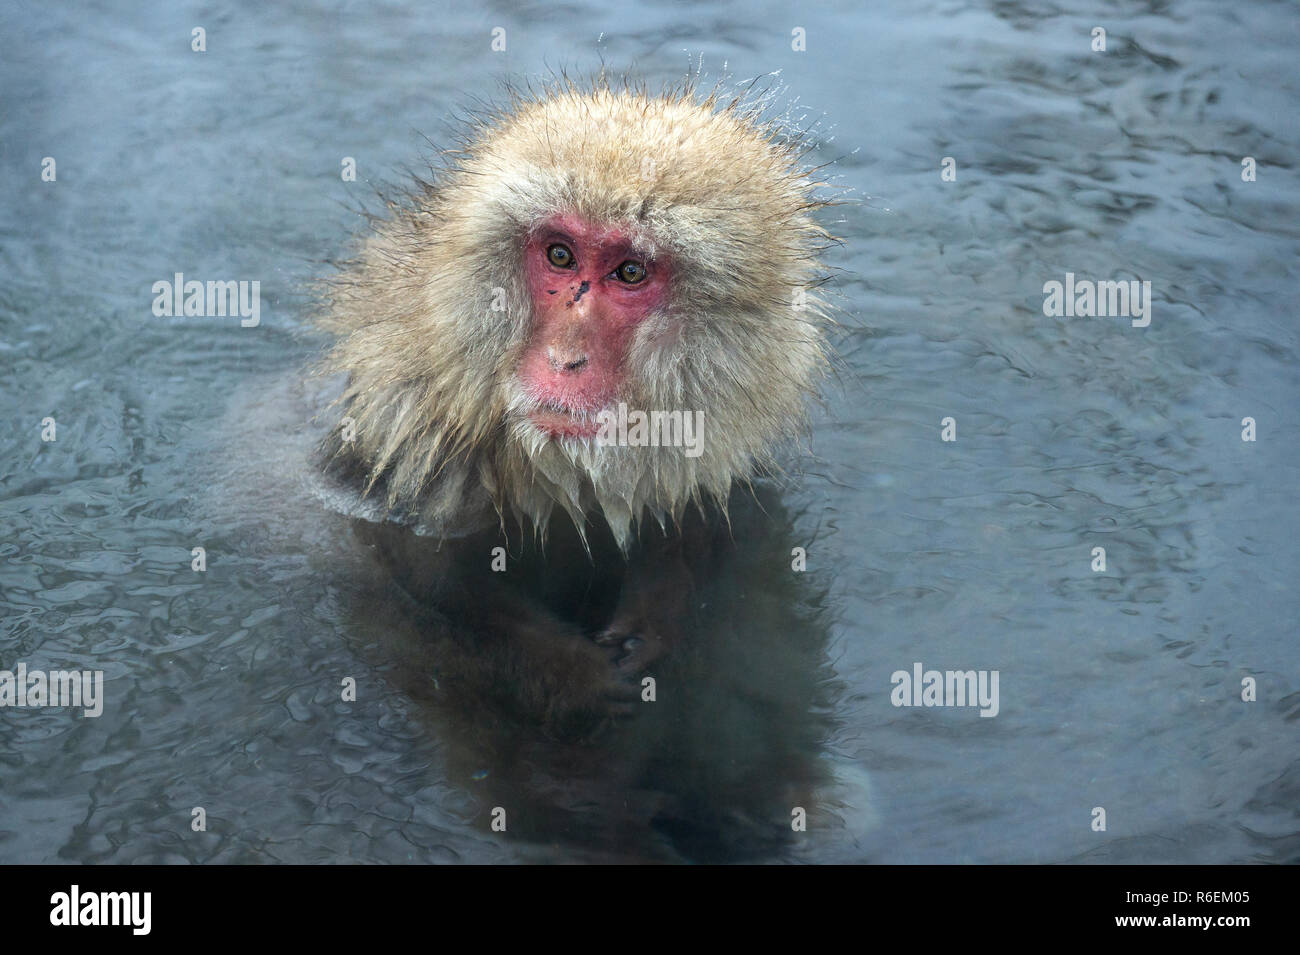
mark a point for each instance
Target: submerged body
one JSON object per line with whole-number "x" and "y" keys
{"x": 588, "y": 252}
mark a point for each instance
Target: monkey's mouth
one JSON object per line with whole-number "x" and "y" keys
{"x": 560, "y": 422}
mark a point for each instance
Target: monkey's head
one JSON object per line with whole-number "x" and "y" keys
{"x": 588, "y": 256}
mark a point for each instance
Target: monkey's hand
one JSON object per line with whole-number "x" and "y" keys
{"x": 651, "y": 612}
{"x": 553, "y": 671}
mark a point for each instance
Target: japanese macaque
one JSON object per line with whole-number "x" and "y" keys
{"x": 590, "y": 258}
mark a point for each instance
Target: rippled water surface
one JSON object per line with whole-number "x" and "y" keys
{"x": 1119, "y": 689}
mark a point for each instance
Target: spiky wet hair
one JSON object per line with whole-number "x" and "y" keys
{"x": 430, "y": 355}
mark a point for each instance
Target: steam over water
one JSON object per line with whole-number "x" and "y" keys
{"x": 1118, "y": 689}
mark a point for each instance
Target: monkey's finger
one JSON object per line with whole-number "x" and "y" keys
{"x": 610, "y": 637}
{"x": 621, "y": 699}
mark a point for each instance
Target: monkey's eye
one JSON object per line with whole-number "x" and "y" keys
{"x": 560, "y": 256}
{"x": 630, "y": 273}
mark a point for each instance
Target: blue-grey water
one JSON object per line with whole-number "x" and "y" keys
{"x": 1119, "y": 689}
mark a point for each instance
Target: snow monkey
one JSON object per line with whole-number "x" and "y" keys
{"x": 598, "y": 318}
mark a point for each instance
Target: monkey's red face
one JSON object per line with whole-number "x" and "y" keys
{"x": 590, "y": 289}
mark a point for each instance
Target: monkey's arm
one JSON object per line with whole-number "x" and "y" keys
{"x": 501, "y": 644}
{"x": 658, "y": 593}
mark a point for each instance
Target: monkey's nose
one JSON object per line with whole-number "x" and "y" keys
{"x": 564, "y": 361}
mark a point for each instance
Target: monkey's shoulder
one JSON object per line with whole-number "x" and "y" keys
{"x": 455, "y": 506}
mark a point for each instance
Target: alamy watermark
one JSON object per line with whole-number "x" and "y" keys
{"x": 130, "y": 909}
{"x": 641, "y": 429}
{"x": 37, "y": 688}
{"x": 922, "y": 687}
{"x": 212, "y": 299}
{"x": 1085, "y": 298}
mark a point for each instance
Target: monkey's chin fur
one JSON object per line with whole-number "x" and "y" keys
{"x": 582, "y": 475}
